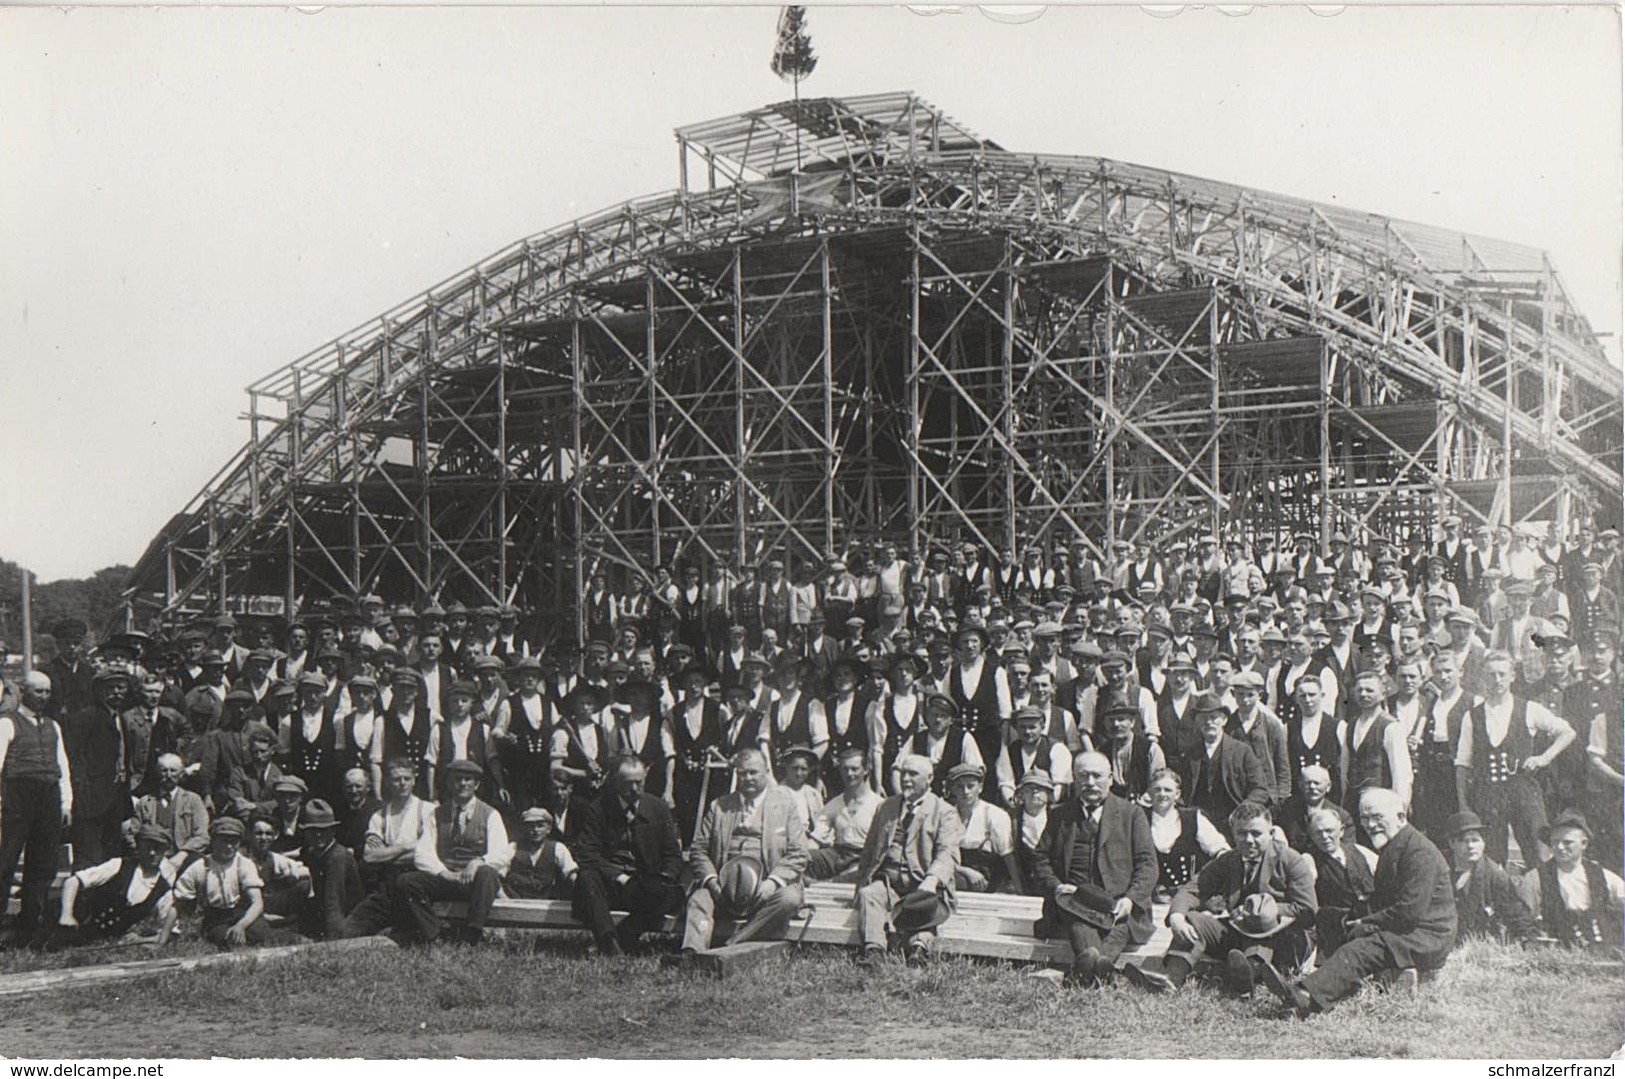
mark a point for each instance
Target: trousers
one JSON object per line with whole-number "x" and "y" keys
{"x": 646, "y": 904}
{"x": 1287, "y": 948}
{"x": 30, "y": 831}
{"x": 414, "y": 892}
{"x": 875, "y": 903}
{"x": 1341, "y": 974}
{"x": 768, "y": 920}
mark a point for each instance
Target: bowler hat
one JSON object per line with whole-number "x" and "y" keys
{"x": 1465, "y": 821}
{"x": 920, "y": 911}
{"x": 1090, "y": 905}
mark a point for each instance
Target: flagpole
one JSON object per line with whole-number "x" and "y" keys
{"x": 28, "y": 621}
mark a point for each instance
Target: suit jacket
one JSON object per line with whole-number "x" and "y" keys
{"x": 1236, "y": 777}
{"x": 138, "y": 755}
{"x": 601, "y": 827}
{"x": 1282, "y": 872}
{"x": 1267, "y": 740}
{"x": 91, "y": 738}
{"x": 189, "y": 826}
{"x": 245, "y": 791}
{"x": 1124, "y": 852}
{"x": 1491, "y": 899}
{"x": 931, "y": 847}
{"x": 72, "y": 688}
{"x": 784, "y": 836}
{"x": 1413, "y": 902}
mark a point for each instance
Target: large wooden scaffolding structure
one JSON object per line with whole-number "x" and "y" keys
{"x": 915, "y": 334}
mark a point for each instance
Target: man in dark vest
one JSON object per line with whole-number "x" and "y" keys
{"x": 978, "y": 686}
{"x": 1375, "y": 749}
{"x": 1578, "y": 901}
{"x": 1097, "y": 866}
{"x": 1498, "y": 762}
{"x": 94, "y": 737}
{"x": 627, "y": 848}
{"x": 36, "y": 800}
{"x": 115, "y": 899}
{"x": 460, "y": 856}
{"x": 1409, "y": 922}
{"x": 1488, "y": 900}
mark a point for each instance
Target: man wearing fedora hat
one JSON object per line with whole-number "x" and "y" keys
{"x": 1254, "y": 903}
{"x": 912, "y": 849}
{"x": 748, "y": 856}
{"x": 1488, "y": 900}
{"x": 460, "y": 855}
{"x": 1096, "y": 866}
{"x": 1579, "y": 902}
{"x": 335, "y": 878}
{"x": 1224, "y": 773}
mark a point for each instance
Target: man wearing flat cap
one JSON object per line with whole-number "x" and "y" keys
{"x": 123, "y": 896}
{"x": 309, "y": 739}
{"x": 1253, "y": 904}
{"x": 1489, "y": 901}
{"x": 458, "y": 736}
{"x": 96, "y": 746}
{"x": 227, "y": 889}
{"x": 1578, "y": 901}
{"x": 626, "y": 843}
{"x": 407, "y": 723}
{"x": 748, "y": 856}
{"x": 987, "y": 848}
{"x": 912, "y": 849}
{"x": 460, "y": 856}
{"x": 1033, "y": 748}
{"x": 36, "y": 799}
{"x": 1096, "y": 866}
{"x": 942, "y": 740}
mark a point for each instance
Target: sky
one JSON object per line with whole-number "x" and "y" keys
{"x": 191, "y": 198}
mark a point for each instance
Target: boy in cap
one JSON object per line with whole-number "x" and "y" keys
{"x": 461, "y": 855}
{"x": 987, "y": 849}
{"x": 122, "y": 896}
{"x": 226, "y": 888}
{"x": 541, "y": 866}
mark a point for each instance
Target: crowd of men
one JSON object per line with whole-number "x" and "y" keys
{"x": 1277, "y": 741}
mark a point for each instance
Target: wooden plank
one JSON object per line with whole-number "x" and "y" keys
{"x": 40, "y": 981}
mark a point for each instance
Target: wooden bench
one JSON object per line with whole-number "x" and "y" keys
{"x": 991, "y": 925}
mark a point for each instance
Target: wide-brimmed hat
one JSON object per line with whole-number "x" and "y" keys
{"x": 1090, "y": 905}
{"x": 740, "y": 877}
{"x": 317, "y": 814}
{"x": 920, "y": 911}
{"x": 1465, "y": 821}
{"x": 1258, "y": 916}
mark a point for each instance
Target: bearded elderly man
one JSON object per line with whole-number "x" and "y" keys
{"x": 906, "y": 872}
{"x": 748, "y": 856}
{"x": 1409, "y": 922}
{"x": 1097, "y": 865}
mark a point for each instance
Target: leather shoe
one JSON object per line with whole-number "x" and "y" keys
{"x": 872, "y": 957}
{"x": 917, "y": 955}
{"x": 1238, "y": 972}
{"x": 1291, "y": 993}
{"x": 1150, "y": 981}
{"x": 1085, "y": 969}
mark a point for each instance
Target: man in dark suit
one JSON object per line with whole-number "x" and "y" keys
{"x": 1224, "y": 773}
{"x": 94, "y": 739}
{"x": 1254, "y": 904}
{"x": 1096, "y": 865}
{"x": 1487, "y": 899}
{"x": 629, "y": 855}
{"x": 1409, "y": 922}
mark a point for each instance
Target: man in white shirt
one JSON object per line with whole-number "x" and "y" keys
{"x": 36, "y": 799}
{"x": 461, "y": 855}
{"x": 1375, "y": 753}
{"x": 1578, "y": 901}
{"x": 842, "y": 826}
{"x": 1497, "y": 760}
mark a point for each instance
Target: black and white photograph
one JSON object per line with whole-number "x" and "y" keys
{"x": 714, "y": 532}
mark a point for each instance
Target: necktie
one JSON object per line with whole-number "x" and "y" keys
{"x": 457, "y": 826}
{"x": 1249, "y": 877}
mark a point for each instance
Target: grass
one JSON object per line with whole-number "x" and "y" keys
{"x": 533, "y": 997}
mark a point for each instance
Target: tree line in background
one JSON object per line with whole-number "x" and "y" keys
{"x": 96, "y": 599}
